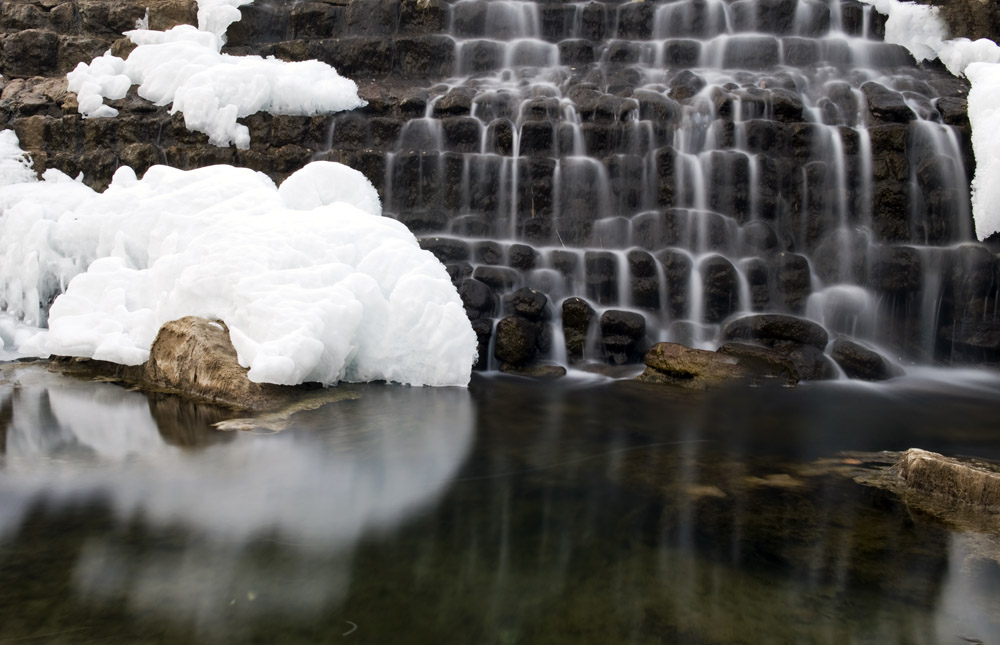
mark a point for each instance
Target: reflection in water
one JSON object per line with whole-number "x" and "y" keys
{"x": 317, "y": 488}
{"x": 586, "y": 513}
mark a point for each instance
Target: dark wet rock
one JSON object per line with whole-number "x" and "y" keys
{"x": 457, "y": 102}
{"x": 811, "y": 363}
{"x": 885, "y": 104}
{"x": 622, "y": 335}
{"x": 577, "y": 318}
{"x": 478, "y": 298}
{"x": 521, "y": 257}
{"x": 786, "y": 105}
{"x": 972, "y": 340}
{"x": 483, "y": 328}
{"x": 698, "y": 369}
{"x": 488, "y": 252}
{"x": 685, "y": 85}
{"x": 516, "y": 340}
{"x": 860, "y": 362}
{"x": 895, "y": 268}
{"x": 793, "y": 279}
{"x": 601, "y": 275}
{"x": 771, "y": 329}
{"x": 764, "y": 362}
{"x": 529, "y": 304}
{"x": 759, "y": 236}
{"x": 446, "y": 249}
{"x": 497, "y": 278}
{"x": 721, "y": 288}
{"x": 538, "y": 372}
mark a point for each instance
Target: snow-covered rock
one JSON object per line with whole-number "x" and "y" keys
{"x": 312, "y": 282}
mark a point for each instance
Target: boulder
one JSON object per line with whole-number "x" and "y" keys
{"x": 538, "y": 372}
{"x": 772, "y": 329}
{"x": 516, "y": 341}
{"x": 622, "y": 335}
{"x": 860, "y": 362}
{"x": 194, "y": 357}
{"x": 886, "y": 105}
{"x": 763, "y": 361}
{"x": 577, "y": 317}
{"x": 697, "y": 369}
{"x": 966, "y": 481}
{"x": 529, "y": 304}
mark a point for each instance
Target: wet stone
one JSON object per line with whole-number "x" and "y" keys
{"x": 497, "y": 278}
{"x": 576, "y": 52}
{"x": 601, "y": 275}
{"x": 478, "y": 298}
{"x": 685, "y": 85}
{"x": 622, "y": 335}
{"x": 721, "y": 288}
{"x": 521, "y": 257}
{"x": 681, "y": 53}
{"x": 445, "y": 249}
{"x": 515, "y": 341}
{"x": 529, "y": 304}
{"x": 860, "y": 362}
{"x": 771, "y": 329}
{"x": 577, "y": 317}
{"x": 895, "y": 268}
{"x": 794, "y": 281}
{"x": 487, "y": 252}
{"x": 885, "y": 104}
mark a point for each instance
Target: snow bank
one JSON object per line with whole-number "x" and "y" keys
{"x": 923, "y": 32}
{"x": 183, "y": 67}
{"x": 313, "y": 284}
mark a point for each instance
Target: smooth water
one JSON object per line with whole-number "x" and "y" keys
{"x": 512, "y": 512}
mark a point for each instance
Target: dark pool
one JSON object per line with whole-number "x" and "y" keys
{"x": 584, "y": 511}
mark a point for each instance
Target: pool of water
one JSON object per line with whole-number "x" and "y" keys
{"x": 582, "y": 511}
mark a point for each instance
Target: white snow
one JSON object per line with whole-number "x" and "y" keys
{"x": 184, "y": 67}
{"x": 313, "y": 283}
{"x": 923, "y": 32}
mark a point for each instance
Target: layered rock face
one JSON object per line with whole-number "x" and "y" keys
{"x": 600, "y": 176}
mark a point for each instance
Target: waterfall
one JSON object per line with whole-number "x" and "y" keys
{"x": 796, "y": 162}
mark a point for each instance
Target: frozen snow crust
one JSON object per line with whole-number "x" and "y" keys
{"x": 921, "y": 30}
{"x": 314, "y": 285}
{"x": 184, "y": 67}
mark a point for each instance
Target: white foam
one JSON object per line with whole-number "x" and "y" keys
{"x": 924, "y": 33}
{"x": 184, "y": 68}
{"x": 313, "y": 284}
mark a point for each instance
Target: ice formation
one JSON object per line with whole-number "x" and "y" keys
{"x": 184, "y": 67}
{"x": 313, "y": 284}
{"x": 924, "y": 33}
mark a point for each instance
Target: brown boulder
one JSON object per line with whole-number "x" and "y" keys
{"x": 195, "y": 357}
{"x": 697, "y": 369}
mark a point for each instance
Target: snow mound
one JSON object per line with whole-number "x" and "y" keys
{"x": 184, "y": 67}
{"x": 924, "y": 33}
{"x": 314, "y": 285}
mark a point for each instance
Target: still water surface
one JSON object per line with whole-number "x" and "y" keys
{"x": 511, "y": 512}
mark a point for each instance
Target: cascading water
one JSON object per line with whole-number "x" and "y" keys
{"x": 679, "y": 164}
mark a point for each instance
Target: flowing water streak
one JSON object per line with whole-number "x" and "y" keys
{"x": 669, "y": 128}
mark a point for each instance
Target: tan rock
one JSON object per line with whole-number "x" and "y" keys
{"x": 967, "y": 481}
{"x": 195, "y": 357}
